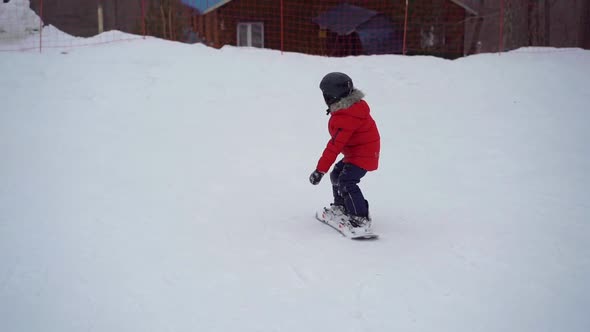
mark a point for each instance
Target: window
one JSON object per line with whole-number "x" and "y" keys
{"x": 251, "y": 34}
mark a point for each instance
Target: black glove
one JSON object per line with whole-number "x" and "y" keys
{"x": 316, "y": 177}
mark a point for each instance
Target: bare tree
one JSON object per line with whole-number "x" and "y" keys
{"x": 538, "y": 18}
{"x": 475, "y": 45}
{"x": 162, "y": 19}
{"x": 538, "y": 23}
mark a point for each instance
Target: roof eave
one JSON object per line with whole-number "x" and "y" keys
{"x": 214, "y": 7}
{"x": 465, "y": 6}
{"x": 460, "y": 3}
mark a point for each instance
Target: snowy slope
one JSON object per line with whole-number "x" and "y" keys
{"x": 17, "y": 20}
{"x": 143, "y": 191}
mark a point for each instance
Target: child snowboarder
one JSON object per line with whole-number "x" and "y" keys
{"x": 354, "y": 134}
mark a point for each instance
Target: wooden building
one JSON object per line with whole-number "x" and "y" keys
{"x": 434, "y": 26}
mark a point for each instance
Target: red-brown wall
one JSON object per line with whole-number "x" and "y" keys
{"x": 80, "y": 18}
{"x": 300, "y": 34}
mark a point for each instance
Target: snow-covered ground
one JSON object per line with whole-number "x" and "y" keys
{"x": 17, "y": 21}
{"x": 155, "y": 186}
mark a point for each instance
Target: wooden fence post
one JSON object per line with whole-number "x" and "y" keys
{"x": 40, "y": 26}
{"x": 282, "y": 29}
{"x": 100, "y": 17}
{"x": 501, "y": 26}
{"x": 405, "y": 48}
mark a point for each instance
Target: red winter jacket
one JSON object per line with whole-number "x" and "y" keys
{"x": 353, "y": 133}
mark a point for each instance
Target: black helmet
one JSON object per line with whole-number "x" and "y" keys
{"x": 335, "y": 86}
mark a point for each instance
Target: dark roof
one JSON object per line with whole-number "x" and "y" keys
{"x": 355, "y": 16}
{"x": 215, "y": 6}
{"x": 468, "y": 5}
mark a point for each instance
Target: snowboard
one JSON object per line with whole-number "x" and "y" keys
{"x": 344, "y": 230}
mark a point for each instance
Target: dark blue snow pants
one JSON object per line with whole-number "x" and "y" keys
{"x": 345, "y": 178}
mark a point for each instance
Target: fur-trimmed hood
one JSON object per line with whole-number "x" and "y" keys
{"x": 354, "y": 97}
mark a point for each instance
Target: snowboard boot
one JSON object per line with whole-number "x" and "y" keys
{"x": 334, "y": 212}
{"x": 360, "y": 224}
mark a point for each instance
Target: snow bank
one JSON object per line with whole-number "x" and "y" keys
{"x": 156, "y": 186}
{"x": 17, "y": 20}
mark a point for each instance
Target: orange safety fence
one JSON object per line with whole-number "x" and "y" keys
{"x": 446, "y": 28}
